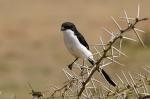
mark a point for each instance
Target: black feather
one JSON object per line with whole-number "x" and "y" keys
{"x": 91, "y": 61}
{"x": 108, "y": 78}
{"x": 81, "y": 39}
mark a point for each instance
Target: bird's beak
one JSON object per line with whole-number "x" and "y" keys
{"x": 62, "y": 28}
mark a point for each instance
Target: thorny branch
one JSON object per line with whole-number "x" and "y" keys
{"x": 131, "y": 26}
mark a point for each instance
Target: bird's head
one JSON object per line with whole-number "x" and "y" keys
{"x": 68, "y": 25}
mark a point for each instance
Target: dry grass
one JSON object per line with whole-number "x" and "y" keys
{"x": 31, "y": 44}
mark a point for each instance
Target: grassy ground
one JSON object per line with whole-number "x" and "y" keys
{"x": 31, "y": 44}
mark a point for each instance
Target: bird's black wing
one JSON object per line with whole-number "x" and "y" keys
{"x": 82, "y": 40}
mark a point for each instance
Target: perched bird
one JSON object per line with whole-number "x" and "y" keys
{"x": 78, "y": 47}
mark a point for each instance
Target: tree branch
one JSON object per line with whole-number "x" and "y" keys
{"x": 130, "y": 27}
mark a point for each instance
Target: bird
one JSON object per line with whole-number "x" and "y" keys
{"x": 78, "y": 47}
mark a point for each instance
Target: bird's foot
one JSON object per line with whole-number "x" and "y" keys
{"x": 81, "y": 68}
{"x": 83, "y": 72}
{"x": 70, "y": 66}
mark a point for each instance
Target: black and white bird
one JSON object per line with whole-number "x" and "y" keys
{"x": 78, "y": 47}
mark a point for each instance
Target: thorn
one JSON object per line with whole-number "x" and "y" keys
{"x": 104, "y": 65}
{"x": 120, "y": 45}
{"x": 112, "y": 54}
{"x": 146, "y": 94}
{"x": 68, "y": 74}
{"x": 97, "y": 81}
{"x": 116, "y": 23}
{"x": 138, "y": 12}
{"x": 119, "y": 51}
{"x": 125, "y": 78}
{"x": 71, "y": 90}
{"x": 120, "y": 79}
{"x": 102, "y": 43}
{"x": 115, "y": 61}
{"x": 97, "y": 51}
{"x": 111, "y": 33}
{"x": 84, "y": 95}
{"x": 129, "y": 39}
{"x": 140, "y": 75}
{"x": 134, "y": 85}
{"x": 139, "y": 38}
{"x": 131, "y": 78}
{"x": 146, "y": 70}
{"x": 136, "y": 91}
{"x": 30, "y": 85}
{"x": 136, "y": 29}
{"x": 108, "y": 89}
{"x": 75, "y": 75}
{"x": 145, "y": 87}
{"x": 87, "y": 94}
{"x": 127, "y": 17}
{"x": 93, "y": 85}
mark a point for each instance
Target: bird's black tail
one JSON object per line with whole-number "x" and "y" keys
{"x": 91, "y": 61}
{"x": 108, "y": 78}
{"x": 104, "y": 73}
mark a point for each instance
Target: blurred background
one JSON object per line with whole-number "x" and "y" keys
{"x": 31, "y": 44}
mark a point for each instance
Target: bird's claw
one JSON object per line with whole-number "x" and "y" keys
{"x": 70, "y": 66}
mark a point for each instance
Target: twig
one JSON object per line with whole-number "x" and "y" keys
{"x": 65, "y": 88}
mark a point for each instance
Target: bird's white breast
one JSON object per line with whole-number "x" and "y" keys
{"x": 74, "y": 46}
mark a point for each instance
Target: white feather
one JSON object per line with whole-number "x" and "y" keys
{"x": 75, "y": 47}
